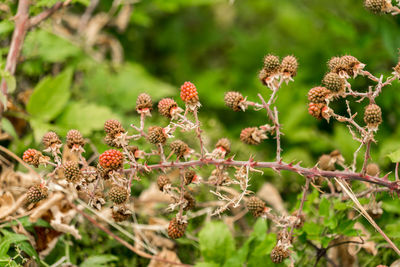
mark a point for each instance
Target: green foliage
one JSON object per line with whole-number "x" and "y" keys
{"x": 98, "y": 260}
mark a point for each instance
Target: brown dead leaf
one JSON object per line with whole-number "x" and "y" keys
{"x": 167, "y": 255}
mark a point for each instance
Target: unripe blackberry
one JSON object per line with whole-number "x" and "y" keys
{"x": 326, "y": 163}
{"x": 189, "y": 176}
{"x": 315, "y": 109}
{"x": 32, "y": 157}
{"x": 289, "y": 66}
{"x": 350, "y": 63}
{"x": 279, "y": 253}
{"x": 189, "y": 93}
{"x": 162, "y": 181}
{"x": 372, "y": 116}
{"x": 75, "y": 138}
{"x": 109, "y": 140}
{"x": 334, "y": 63}
{"x": 179, "y": 148}
{"x": 271, "y": 63}
{"x": 225, "y": 144}
{"x": 233, "y": 100}
{"x": 256, "y": 206}
{"x": 191, "y": 202}
{"x": 111, "y": 159}
{"x": 118, "y": 194}
{"x": 110, "y": 126}
{"x": 144, "y": 101}
{"x": 318, "y": 94}
{"x": 50, "y": 139}
{"x": 176, "y": 229}
{"x": 72, "y": 172}
{"x": 165, "y": 106}
{"x": 247, "y": 136}
{"x": 333, "y": 82}
{"x": 103, "y": 172}
{"x": 36, "y": 193}
{"x": 156, "y": 135}
{"x": 373, "y": 169}
{"x": 375, "y": 6}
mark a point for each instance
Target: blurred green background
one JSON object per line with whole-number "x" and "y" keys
{"x": 219, "y": 46}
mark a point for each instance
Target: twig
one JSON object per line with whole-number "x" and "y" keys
{"x": 123, "y": 242}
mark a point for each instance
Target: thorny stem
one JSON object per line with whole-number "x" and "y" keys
{"x": 366, "y": 156}
{"x": 303, "y": 199}
{"x": 396, "y": 173}
{"x": 278, "y": 166}
{"x": 22, "y": 25}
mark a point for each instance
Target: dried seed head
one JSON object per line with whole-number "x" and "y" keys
{"x": 252, "y": 136}
{"x": 271, "y": 63}
{"x": 32, "y": 157}
{"x": 165, "y": 107}
{"x": 326, "y": 163}
{"x": 256, "y": 206}
{"x": 156, "y": 135}
{"x": 233, "y": 100}
{"x": 143, "y": 101}
{"x": 72, "y": 172}
{"x": 372, "y": 116}
{"x": 111, "y": 159}
{"x": 316, "y": 109}
{"x": 318, "y": 94}
{"x": 89, "y": 173}
{"x": 179, "y": 148}
{"x": 225, "y": 144}
{"x": 120, "y": 214}
{"x": 333, "y": 82}
{"x": 176, "y": 229}
{"x": 36, "y": 193}
{"x": 189, "y": 93}
{"x": 162, "y": 181}
{"x": 75, "y": 139}
{"x": 375, "y": 6}
{"x": 289, "y": 66}
{"x": 50, "y": 139}
{"x": 279, "y": 253}
{"x": 190, "y": 201}
{"x": 301, "y": 219}
{"x": 189, "y": 176}
{"x": 263, "y": 75}
{"x": 373, "y": 169}
{"x": 118, "y": 194}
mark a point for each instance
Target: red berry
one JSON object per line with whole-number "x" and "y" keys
{"x": 32, "y": 156}
{"x": 189, "y": 93}
{"x": 111, "y": 159}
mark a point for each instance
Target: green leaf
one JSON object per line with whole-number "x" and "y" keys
{"x": 206, "y": 264}
{"x": 28, "y": 249}
{"x": 324, "y": 207}
{"x": 394, "y": 156}
{"x": 49, "y": 47}
{"x": 84, "y": 117}
{"x": 216, "y": 242}
{"x": 8, "y": 239}
{"x": 50, "y": 96}
{"x": 98, "y": 260}
{"x": 8, "y": 128}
